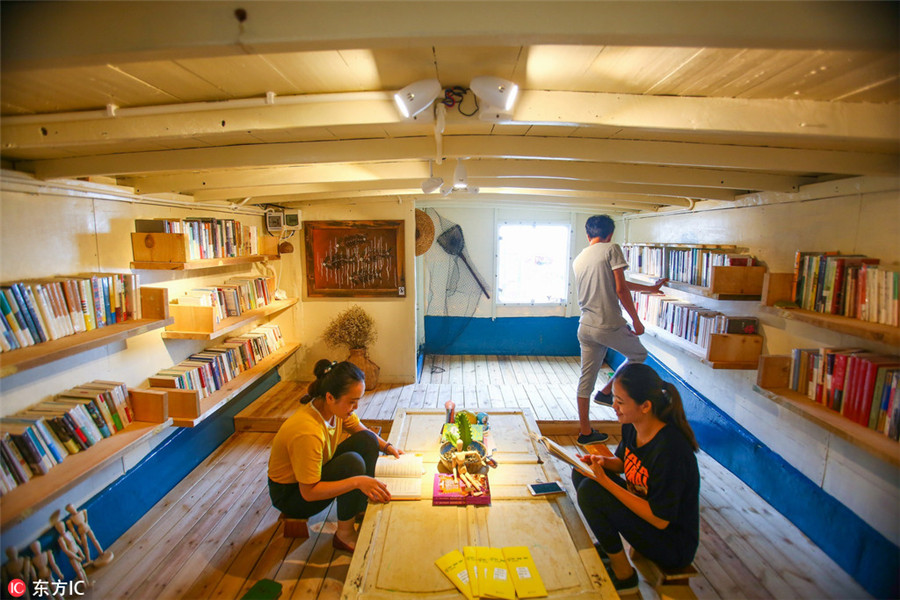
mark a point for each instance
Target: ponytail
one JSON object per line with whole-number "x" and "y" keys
{"x": 643, "y": 384}
{"x": 332, "y": 377}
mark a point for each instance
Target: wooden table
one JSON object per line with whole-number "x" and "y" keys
{"x": 399, "y": 541}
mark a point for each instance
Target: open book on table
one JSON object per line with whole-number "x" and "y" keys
{"x": 564, "y": 454}
{"x": 402, "y": 476}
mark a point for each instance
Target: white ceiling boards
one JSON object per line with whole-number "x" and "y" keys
{"x": 628, "y": 106}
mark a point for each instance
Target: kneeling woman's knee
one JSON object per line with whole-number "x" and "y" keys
{"x": 350, "y": 464}
{"x": 366, "y": 441}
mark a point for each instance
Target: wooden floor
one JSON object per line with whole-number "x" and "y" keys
{"x": 543, "y": 384}
{"x": 216, "y": 534}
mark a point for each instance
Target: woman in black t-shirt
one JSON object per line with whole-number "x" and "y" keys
{"x": 656, "y": 506}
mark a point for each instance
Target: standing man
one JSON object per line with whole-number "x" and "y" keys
{"x": 600, "y": 277}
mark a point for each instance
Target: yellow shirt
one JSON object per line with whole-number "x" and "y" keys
{"x": 303, "y": 444}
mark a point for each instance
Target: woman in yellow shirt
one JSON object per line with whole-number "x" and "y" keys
{"x": 311, "y": 464}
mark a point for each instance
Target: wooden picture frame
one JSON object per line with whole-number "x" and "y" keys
{"x": 355, "y": 259}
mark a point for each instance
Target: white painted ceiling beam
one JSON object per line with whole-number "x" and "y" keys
{"x": 834, "y": 121}
{"x": 419, "y": 148}
{"x": 521, "y": 182}
{"x": 37, "y": 34}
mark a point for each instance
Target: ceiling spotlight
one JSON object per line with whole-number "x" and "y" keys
{"x": 432, "y": 183}
{"x": 417, "y": 96}
{"x": 498, "y": 95}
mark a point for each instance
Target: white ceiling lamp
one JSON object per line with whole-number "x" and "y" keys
{"x": 498, "y": 96}
{"x": 460, "y": 181}
{"x": 432, "y": 183}
{"x": 416, "y": 97}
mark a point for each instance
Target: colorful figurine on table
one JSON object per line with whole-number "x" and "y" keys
{"x": 482, "y": 419}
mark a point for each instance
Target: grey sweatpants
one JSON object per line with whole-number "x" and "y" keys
{"x": 594, "y": 343}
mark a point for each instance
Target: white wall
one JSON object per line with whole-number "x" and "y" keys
{"x": 395, "y": 349}
{"x": 858, "y": 217}
{"x": 67, "y": 228}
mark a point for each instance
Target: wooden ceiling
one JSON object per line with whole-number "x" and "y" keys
{"x": 624, "y": 106}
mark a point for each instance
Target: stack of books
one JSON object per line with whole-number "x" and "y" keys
{"x": 35, "y": 440}
{"x": 232, "y": 298}
{"x": 485, "y": 572}
{"x": 849, "y": 285}
{"x": 207, "y": 371}
{"x": 48, "y": 309}
{"x": 694, "y": 265}
{"x": 863, "y": 387}
{"x": 644, "y": 259}
{"x": 207, "y": 237}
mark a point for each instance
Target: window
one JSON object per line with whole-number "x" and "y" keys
{"x": 532, "y": 263}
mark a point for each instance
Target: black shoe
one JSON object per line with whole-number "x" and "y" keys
{"x": 592, "y": 438}
{"x": 629, "y": 585}
{"x": 604, "y": 557}
{"x": 603, "y": 399}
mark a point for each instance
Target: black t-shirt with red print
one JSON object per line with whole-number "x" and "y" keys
{"x": 664, "y": 472}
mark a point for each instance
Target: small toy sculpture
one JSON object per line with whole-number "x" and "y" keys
{"x": 461, "y": 473}
{"x": 46, "y": 568}
{"x": 483, "y": 421}
{"x": 80, "y": 520}
{"x": 449, "y": 411}
{"x": 70, "y": 548}
{"x": 17, "y": 567}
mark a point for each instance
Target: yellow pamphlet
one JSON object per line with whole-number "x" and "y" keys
{"x": 523, "y": 573}
{"x": 472, "y": 567}
{"x": 453, "y": 565}
{"x": 496, "y": 583}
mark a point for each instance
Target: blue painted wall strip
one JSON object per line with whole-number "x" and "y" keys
{"x": 861, "y": 550}
{"x": 535, "y": 336}
{"x": 121, "y": 504}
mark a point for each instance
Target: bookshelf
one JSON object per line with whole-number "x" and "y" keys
{"x": 22, "y": 501}
{"x": 196, "y": 322}
{"x": 725, "y": 351}
{"x": 168, "y": 252}
{"x": 772, "y": 382}
{"x": 154, "y": 307}
{"x": 777, "y": 289}
{"x": 212, "y": 403}
{"x": 727, "y": 283}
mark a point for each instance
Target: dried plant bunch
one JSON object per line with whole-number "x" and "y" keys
{"x": 353, "y": 327}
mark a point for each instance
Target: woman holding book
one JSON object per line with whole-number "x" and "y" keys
{"x": 656, "y": 506}
{"x": 313, "y": 461}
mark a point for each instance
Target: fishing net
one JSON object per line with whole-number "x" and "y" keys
{"x": 454, "y": 287}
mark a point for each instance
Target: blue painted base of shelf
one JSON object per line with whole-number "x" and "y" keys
{"x": 861, "y": 550}
{"x": 526, "y": 336}
{"x": 121, "y": 504}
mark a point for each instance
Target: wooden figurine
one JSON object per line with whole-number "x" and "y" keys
{"x": 45, "y": 569}
{"x": 85, "y": 533}
{"x": 69, "y": 547}
{"x": 16, "y": 568}
{"x": 461, "y": 472}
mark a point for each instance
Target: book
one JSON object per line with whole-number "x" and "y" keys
{"x": 523, "y": 572}
{"x": 402, "y": 476}
{"x": 453, "y": 565}
{"x": 564, "y": 454}
{"x": 469, "y": 553}
{"x": 497, "y": 582}
{"x": 447, "y": 492}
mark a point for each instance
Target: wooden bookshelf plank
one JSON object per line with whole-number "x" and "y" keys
{"x": 696, "y": 290}
{"x": 206, "y": 263}
{"x": 231, "y": 323}
{"x": 39, "y": 354}
{"x": 696, "y": 351}
{"x": 219, "y": 398}
{"x": 878, "y": 332}
{"x": 22, "y": 501}
{"x": 871, "y": 441}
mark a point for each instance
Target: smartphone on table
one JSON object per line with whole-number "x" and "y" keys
{"x": 546, "y": 489}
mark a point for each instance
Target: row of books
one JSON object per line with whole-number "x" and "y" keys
{"x": 864, "y": 387}
{"x": 648, "y": 260}
{"x": 48, "y": 309}
{"x": 35, "y": 440}
{"x": 694, "y": 265}
{"x": 232, "y": 298}
{"x": 211, "y": 369}
{"x": 207, "y": 237}
{"x": 485, "y": 572}
{"x": 849, "y": 285}
{"x": 694, "y": 324}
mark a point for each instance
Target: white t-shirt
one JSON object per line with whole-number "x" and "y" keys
{"x": 596, "y": 282}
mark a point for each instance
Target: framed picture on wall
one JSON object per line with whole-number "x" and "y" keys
{"x": 354, "y": 259}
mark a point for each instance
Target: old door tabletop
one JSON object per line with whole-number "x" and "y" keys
{"x": 399, "y": 541}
